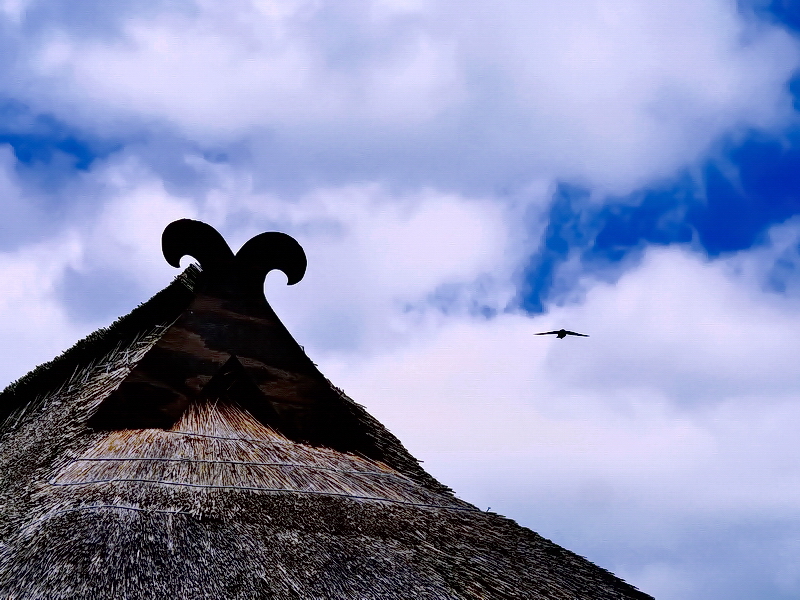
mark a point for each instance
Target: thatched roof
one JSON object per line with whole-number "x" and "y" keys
{"x": 193, "y": 451}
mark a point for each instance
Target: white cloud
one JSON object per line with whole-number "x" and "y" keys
{"x": 613, "y": 94}
{"x": 679, "y": 409}
{"x": 222, "y": 70}
{"x": 120, "y": 238}
{"x": 126, "y": 233}
{"x": 14, "y": 9}
{"x": 621, "y": 92}
{"x": 34, "y": 327}
{"x": 375, "y": 258}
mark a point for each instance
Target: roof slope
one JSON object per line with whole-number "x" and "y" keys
{"x": 193, "y": 451}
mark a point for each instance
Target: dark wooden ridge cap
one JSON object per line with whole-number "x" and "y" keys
{"x": 222, "y": 342}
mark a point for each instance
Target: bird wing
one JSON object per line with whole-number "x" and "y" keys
{"x": 547, "y": 333}
{"x": 574, "y": 333}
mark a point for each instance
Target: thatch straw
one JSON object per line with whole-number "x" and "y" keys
{"x": 221, "y": 446}
{"x": 222, "y": 506}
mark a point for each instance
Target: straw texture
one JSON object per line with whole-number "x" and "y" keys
{"x": 225, "y": 504}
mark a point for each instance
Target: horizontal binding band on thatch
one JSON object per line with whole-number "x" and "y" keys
{"x": 268, "y": 490}
{"x": 143, "y": 510}
{"x": 274, "y": 439}
{"x": 397, "y": 476}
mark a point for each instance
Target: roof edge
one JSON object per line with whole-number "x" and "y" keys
{"x": 162, "y": 308}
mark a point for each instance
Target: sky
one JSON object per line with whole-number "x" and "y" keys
{"x": 461, "y": 176}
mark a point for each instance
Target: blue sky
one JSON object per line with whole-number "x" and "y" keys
{"x": 461, "y": 177}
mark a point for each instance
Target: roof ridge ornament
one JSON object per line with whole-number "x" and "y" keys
{"x": 228, "y": 346}
{"x": 229, "y": 275}
{"x": 228, "y": 323}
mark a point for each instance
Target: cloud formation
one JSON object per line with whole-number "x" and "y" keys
{"x": 613, "y": 94}
{"x": 671, "y": 427}
{"x": 417, "y": 150}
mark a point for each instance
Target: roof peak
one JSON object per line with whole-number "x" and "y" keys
{"x": 228, "y": 274}
{"x": 194, "y": 442}
{"x": 228, "y": 344}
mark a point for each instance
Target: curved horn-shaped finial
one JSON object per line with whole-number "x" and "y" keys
{"x": 198, "y": 240}
{"x": 268, "y": 251}
{"x": 229, "y": 274}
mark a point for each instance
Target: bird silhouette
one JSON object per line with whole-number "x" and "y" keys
{"x": 561, "y": 333}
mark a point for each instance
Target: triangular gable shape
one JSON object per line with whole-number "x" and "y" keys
{"x": 229, "y": 328}
{"x": 194, "y": 452}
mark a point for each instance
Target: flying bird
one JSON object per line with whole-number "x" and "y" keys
{"x": 561, "y": 333}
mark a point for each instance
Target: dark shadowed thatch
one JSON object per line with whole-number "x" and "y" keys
{"x": 152, "y": 461}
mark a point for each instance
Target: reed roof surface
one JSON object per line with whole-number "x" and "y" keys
{"x": 227, "y": 499}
